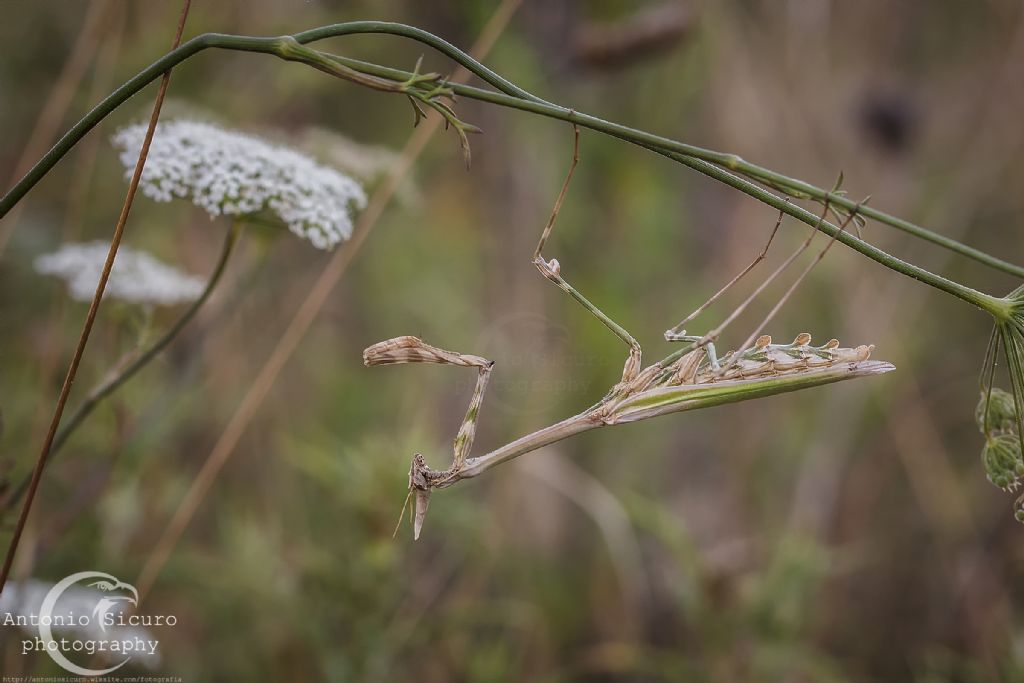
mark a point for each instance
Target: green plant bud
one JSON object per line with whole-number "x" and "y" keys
{"x": 1002, "y": 459}
{"x": 1002, "y": 413}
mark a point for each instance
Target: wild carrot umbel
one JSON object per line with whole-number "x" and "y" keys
{"x": 137, "y": 277}
{"x": 695, "y": 377}
{"x": 231, "y": 173}
{"x": 224, "y": 173}
{"x": 136, "y": 359}
{"x": 1000, "y": 414}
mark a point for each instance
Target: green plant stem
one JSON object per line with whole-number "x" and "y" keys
{"x": 714, "y": 164}
{"x": 730, "y": 161}
{"x": 121, "y": 374}
{"x": 670, "y": 149}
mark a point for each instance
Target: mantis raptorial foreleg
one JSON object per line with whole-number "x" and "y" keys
{"x": 709, "y": 347}
{"x": 552, "y": 271}
{"x": 410, "y": 349}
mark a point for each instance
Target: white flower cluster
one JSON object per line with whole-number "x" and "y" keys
{"x": 136, "y": 276}
{"x": 225, "y": 172}
{"x": 365, "y": 163}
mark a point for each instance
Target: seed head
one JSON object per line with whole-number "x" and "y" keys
{"x": 1003, "y": 463}
{"x": 1001, "y": 412}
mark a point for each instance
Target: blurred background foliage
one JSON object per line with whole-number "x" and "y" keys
{"x": 842, "y": 534}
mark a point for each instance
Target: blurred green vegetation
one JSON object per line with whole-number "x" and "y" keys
{"x": 846, "y": 533}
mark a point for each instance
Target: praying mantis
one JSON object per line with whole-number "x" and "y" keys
{"x": 690, "y": 378}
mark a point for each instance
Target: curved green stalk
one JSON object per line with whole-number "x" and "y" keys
{"x": 730, "y": 161}
{"x": 709, "y": 162}
{"x": 119, "y": 376}
{"x": 670, "y": 149}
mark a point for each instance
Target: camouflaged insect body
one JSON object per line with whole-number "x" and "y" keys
{"x": 697, "y": 379}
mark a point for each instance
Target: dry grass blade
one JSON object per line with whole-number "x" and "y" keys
{"x": 91, "y": 315}
{"x": 61, "y": 95}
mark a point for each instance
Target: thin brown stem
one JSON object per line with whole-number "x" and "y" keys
{"x": 82, "y": 176}
{"x": 90, "y": 318}
{"x": 133, "y": 361}
{"x": 301, "y": 322}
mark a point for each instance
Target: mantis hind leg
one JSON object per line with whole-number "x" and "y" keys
{"x": 552, "y": 271}
{"x": 678, "y": 330}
